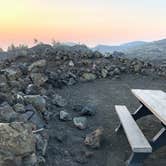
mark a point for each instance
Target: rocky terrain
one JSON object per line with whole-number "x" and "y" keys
{"x": 40, "y": 124}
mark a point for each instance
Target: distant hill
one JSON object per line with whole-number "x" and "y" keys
{"x": 150, "y": 51}
{"x": 121, "y": 48}
{"x": 155, "y": 50}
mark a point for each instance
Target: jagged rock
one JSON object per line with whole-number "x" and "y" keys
{"x": 38, "y": 78}
{"x": 59, "y": 101}
{"x": 80, "y": 122}
{"x": 32, "y": 89}
{"x": 89, "y": 76}
{"x": 94, "y": 139}
{"x": 12, "y": 74}
{"x": 37, "y": 101}
{"x": 65, "y": 116}
{"x": 7, "y": 113}
{"x": 88, "y": 109}
{"x": 104, "y": 73}
{"x": 37, "y": 66}
{"x": 16, "y": 139}
{"x": 19, "y": 108}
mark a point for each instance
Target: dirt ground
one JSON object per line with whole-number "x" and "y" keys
{"x": 66, "y": 146}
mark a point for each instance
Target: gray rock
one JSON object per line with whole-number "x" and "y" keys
{"x": 89, "y": 76}
{"x": 30, "y": 160}
{"x": 80, "y": 122}
{"x": 7, "y": 114}
{"x": 38, "y": 65}
{"x": 38, "y": 78}
{"x": 12, "y": 74}
{"x": 59, "y": 101}
{"x": 37, "y": 101}
{"x": 94, "y": 139}
{"x": 104, "y": 73}
{"x": 16, "y": 139}
{"x": 19, "y": 108}
{"x": 65, "y": 116}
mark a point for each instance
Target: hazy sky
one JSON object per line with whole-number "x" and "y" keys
{"x": 85, "y": 21}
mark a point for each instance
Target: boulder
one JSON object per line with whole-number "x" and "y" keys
{"x": 80, "y": 122}
{"x": 16, "y": 140}
{"x": 94, "y": 139}
{"x": 37, "y": 101}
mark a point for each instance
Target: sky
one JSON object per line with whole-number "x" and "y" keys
{"x": 85, "y": 21}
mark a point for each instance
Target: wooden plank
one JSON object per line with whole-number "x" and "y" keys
{"x": 154, "y": 100}
{"x": 136, "y": 139}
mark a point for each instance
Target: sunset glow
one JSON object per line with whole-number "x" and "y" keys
{"x": 91, "y": 22}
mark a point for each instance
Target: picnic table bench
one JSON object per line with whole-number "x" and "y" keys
{"x": 152, "y": 102}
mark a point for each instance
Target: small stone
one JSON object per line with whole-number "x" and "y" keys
{"x": 89, "y": 76}
{"x": 94, "y": 139}
{"x": 80, "y": 122}
{"x": 59, "y": 101}
{"x": 71, "y": 63}
{"x": 65, "y": 116}
{"x": 104, "y": 73}
{"x": 89, "y": 109}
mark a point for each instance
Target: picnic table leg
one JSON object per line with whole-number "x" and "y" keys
{"x": 159, "y": 139}
{"x": 136, "y": 159}
{"x": 139, "y": 113}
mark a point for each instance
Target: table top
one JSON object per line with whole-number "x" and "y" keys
{"x": 154, "y": 100}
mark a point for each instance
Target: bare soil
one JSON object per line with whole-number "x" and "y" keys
{"x": 66, "y": 146}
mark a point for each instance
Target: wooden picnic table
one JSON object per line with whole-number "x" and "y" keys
{"x": 151, "y": 102}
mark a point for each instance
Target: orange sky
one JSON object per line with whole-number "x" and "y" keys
{"x": 86, "y": 21}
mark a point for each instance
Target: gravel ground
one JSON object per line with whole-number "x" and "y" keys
{"x": 66, "y": 146}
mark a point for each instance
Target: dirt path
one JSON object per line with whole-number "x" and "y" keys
{"x": 66, "y": 142}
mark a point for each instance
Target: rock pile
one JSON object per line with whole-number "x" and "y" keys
{"x": 28, "y": 98}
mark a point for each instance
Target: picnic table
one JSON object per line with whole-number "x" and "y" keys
{"x": 152, "y": 102}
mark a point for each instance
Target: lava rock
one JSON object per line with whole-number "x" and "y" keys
{"x": 59, "y": 101}
{"x": 7, "y": 114}
{"x": 16, "y": 139}
{"x": 37, "y": 66}
{"x": 19, "y": 108}
{"x": 80, "y": 122}
{"x": 65, "y": 116}
{"x": 94, "y": 139}
{"x": 38, "y": 78}
{"x": 89, "y": 76}
{"x": 37, "y": 101}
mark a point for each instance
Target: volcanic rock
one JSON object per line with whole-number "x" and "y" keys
{"x": 37, "y": 101}
{"x": 94, "y": 139}
{"x": 80, "y": 122}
